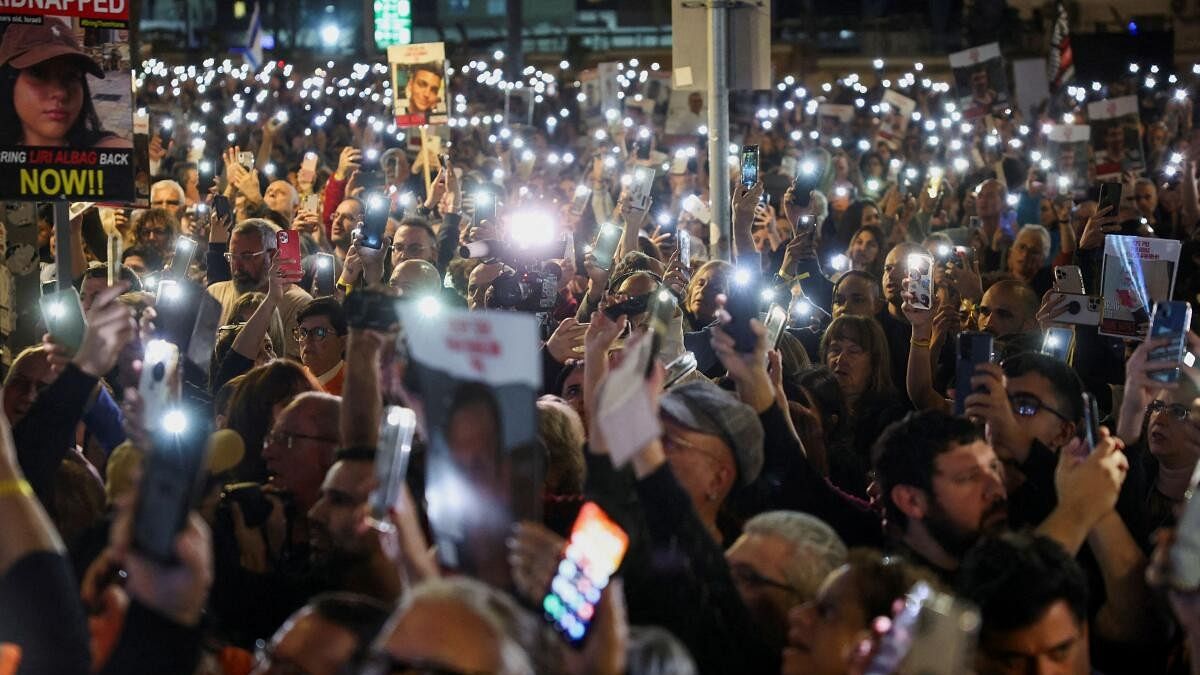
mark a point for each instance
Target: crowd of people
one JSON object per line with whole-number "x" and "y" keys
{"x": 799, "y": 489}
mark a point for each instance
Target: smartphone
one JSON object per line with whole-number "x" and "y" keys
{"x": 964, "y": 257}
{"x": 287, "y": 244}
{"x": 391, "y": 463}
{"x": 1059, "y": 342}
{"x": 635, "y": 306}
{"x": 1110, "y": 195}
{"x": 920, "y": 273}
{"x": 606, "y": 245}
{"x": 1170, "y": 320}
{"x": 171, "y": 475}
{"x": 1185, "y": 552}
{"x": 642, "y": 149}
{"x": 662, "y": 310}
{"x": 741, "y": 302}
{"x": 309, "y": 164}
{"x": 1082, "y": 310}
{"x": 680, "y": 368}
{"x": 370, "y": 309}
{"x": 685, "y": 248}
{"x": 935, "y": 182}
{"x": 484, "y": 206}
{"x": 679, "y": 163}
{"x": 1091, "y": 421}
{"x": 639, "y": 188}
{"x": 116, "y": 247}
{"x": 933, "y": 634}
{"x": 1068, "y": 279}
{"x": 63, "y": 314}
{"x": 185, "y": 249}
{"x": 221, "y": 207}
{"x": 166, "y": 129}
{"x": 776, "y": 321}
{"x": 749, "y": 165}
{"x": 312, "y": 204}
{"x": 593, "y": 553}
{"x": 375, "y": 217}
{"x": 246, "y": 159}
{"x": 160, "y": 365}
{"x": 973, "y": 349}
{"x": 579, "y": 202}
{"x": 323, "y": 273}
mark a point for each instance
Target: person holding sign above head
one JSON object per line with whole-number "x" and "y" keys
{"x": 44, "y": 94}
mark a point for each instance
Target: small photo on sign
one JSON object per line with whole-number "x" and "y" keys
{"x": 420, "y": 83}
{"x": 981, "y": 81}
{"x": 1116, "y": 136}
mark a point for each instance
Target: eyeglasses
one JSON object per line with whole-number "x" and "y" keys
{"x": 748, "y": 577}
{"x": 673, "y": 445}
{"x": 1176, "y": 410}
{"x": 243, "y": 257}
{"x": 317, "y": 334}
{"x": 288, "y": 439}
{"x": 409, "y": 249}
{"x": 1028, "y": 405}
{"x": 382, "y": 663}
{"x": 265, "y": 656}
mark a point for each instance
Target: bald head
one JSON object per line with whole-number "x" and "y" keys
{"x": 282, "y": 198}
{"x": 1009, "y": 307}
{"x": 413, "y": 277}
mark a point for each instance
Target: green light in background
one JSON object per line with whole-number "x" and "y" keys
{"x": 393, "y": 23}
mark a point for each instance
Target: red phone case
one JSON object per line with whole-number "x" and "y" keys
{"x": 289, "y": 253}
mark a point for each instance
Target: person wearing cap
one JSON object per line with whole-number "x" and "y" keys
{"x": 45, "y": 99}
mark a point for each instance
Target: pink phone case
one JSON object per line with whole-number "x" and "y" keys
{"x": 289, "y": 253}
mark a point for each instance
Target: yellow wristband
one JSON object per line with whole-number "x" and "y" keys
{"x": 16, "y": 486}
{"x": 923, "y": 344}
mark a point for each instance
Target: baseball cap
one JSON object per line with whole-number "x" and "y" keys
{"x": 26, "y": 45}
{"x": 225, "y": 451}
{"x": 706, "y": 408}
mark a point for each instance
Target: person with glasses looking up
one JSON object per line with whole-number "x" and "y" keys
{"x": 321, "y": 332}
{"x": 168, "y": 195}
{"x": 329, "y": 635}
{"x": 1163, "y": 419}
{"x": 252, "y": 249}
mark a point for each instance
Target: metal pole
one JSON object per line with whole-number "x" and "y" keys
{"x": 62, "y": 240}
{"x": 514, "y": 54}
{"x": 720, "y": 233}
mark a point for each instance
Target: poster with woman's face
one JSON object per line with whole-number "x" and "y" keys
{"x": 1116, "y": 136}
{"x": 419, "y": 83}
{"x": 981, "y": 81}
{"x": 66, "y": 104}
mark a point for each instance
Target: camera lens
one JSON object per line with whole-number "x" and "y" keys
{"x": 159, "y": 371}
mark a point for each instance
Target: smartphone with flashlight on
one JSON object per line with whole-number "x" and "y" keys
{"x": 484, "y": 205}
{"x": 185, "y": 249}
{"x": 750, "y": 155}
{"x": 639, "y": 188}
{"x": 775, "y": 323}
{"x": 593, "y": 553}
{"x": 156, "y": 383}
{"x": 375, "y": 217}
{"x": 662, "y": 310}
{"x": 172, "y": 476}
{"x": 1059, "y": 342}
{"x": 685, "y": 249}
{"x": 579, "y": 202}
{"x": 920, "y": 274}
{"x": 323, "y": 272}
{"x": 63, "y": 313}
{"x": 396, "y": 431}
{"x": 605, "y": 248}
{"x": 741, "y": 303}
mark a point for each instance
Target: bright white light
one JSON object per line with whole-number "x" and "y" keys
{"x": 767, "y": 294}
{"x": 57, "y": 310}
{"x": 330, "y": 34}
{"x": 839, "y": 262}
{"x": 878, "y": 63}
{"x": 175, "y": 422}
{"x": 741, "y": 276}
{"x": 1013, "y": 199}
{"x": 429, "y": 306}
{"x": 532, "y": 227}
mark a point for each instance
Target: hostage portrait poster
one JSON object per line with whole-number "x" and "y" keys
{"x": 419, "y": 83}
{"x": 66, "y": 105}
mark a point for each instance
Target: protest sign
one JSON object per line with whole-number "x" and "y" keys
{"x": 980, "y": 81}
{"x": 74, "y": 139}
{"x": 1068, "y": 151}
{"x": 477, "y": 374}
{"x": 1137, "y": 273}
{"x": 1116, "y": 136}
{"x": 894, "y": 113}
{"x": 835, "y": 118}
{"x": 419, "y": 83}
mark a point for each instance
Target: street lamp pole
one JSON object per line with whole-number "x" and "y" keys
{"x": 720, "y": 232}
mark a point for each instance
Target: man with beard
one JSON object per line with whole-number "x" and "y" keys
{"x": 251, "y": 249}
{"x": 346, "y": 217}
{"x": 942, "y": 486}
{"x": 348, "y": 559}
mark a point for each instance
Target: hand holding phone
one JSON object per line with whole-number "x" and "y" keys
{"x": 396, "y": 431}
{"x": 594, "y": 552}
{"x": 920, "y": 274}
{"x": 741, "y": 303}
{"x": 607, "y": 239}
{"x": 973, "y": 349}
{"x": 750, "y": 157}
{"x": 62, "y": 312}
{"x": 287, "y": 244}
